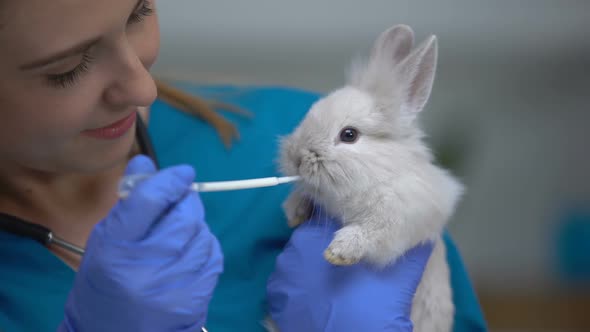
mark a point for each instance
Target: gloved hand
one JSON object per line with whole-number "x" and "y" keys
{"x": 306, "y": 293}
{"x": 151, "y": 264}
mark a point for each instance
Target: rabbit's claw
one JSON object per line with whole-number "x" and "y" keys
{"x": 345, "y": 249}
{"x": 338, "y": 259}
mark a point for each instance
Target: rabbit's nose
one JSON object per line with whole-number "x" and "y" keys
{"x": 308, "y": 156}
{"x": 310, "y": 153}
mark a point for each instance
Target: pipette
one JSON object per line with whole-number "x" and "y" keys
{"x": 128, "y": 182}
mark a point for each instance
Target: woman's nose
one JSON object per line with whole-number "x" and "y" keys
{"x": 133, "y": 84}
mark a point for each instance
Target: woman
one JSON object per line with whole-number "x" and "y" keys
{"x": 75, "y": 76}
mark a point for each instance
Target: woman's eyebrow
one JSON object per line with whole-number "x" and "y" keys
{"x": 71, "y": 51}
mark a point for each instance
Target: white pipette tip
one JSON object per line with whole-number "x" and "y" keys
{"x": 287, "y": 179}
{"x": 128, "y": 183}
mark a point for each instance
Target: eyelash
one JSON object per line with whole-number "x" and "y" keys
{"x": 142, "y": 12}
{"x": 70, "y": 78}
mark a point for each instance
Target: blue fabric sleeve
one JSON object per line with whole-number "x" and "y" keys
{"x": 468, "y": 314}
{"x": 34, "y": 285}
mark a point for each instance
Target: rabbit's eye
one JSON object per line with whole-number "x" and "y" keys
{"x": 349, "y": 135}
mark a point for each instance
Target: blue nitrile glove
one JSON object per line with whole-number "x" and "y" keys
{"x": 151, "y": 264}
{"x": 306, "y": 293}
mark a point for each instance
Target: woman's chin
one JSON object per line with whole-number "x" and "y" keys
{"x": 106, "y": 156}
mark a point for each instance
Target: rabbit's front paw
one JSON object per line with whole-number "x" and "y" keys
{"x": 347, "y": 248}
{"x": 297, "y": 209}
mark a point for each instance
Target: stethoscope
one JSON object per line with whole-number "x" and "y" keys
{"x": 18, "y": 226}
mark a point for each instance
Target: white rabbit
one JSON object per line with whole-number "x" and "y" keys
{"x": 360, "y": 154}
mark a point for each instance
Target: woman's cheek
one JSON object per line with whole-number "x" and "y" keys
{"x": 71, "y": 113}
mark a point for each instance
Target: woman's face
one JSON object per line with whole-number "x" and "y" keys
{"x": 72, "y": 74}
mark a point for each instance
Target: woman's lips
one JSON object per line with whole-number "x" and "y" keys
{"x": 114, "y": 130}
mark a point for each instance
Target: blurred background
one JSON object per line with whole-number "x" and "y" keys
{"x": 509, "y": 114}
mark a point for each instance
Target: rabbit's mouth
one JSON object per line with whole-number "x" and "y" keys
{"x": 311, "y": 166}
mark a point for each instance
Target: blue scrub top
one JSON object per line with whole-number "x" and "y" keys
{"x": 249, "y": 223}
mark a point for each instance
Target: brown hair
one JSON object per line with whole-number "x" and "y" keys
{"x": 204, "y": 109}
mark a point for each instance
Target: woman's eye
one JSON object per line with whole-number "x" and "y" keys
{"x": 67, "y": 79}
{"x": 349, "y": 135}
{"x": 144, "y": 10}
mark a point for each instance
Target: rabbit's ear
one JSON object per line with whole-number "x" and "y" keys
{"x": 416, "y": 75}
{"x": 389, "y": 49}
{"x": 394, "y": 44}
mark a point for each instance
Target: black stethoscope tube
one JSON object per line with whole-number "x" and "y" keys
{"x": 17, "y": 226}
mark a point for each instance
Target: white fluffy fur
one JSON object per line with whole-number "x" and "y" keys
{"x": 385, "y": 188}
